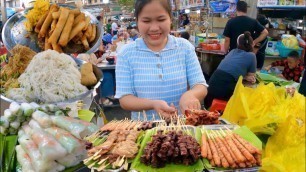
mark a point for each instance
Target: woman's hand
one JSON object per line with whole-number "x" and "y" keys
{"x": 162, "y": 108}
{"x": 268, "y": 68}
{"x": 250, "y": 78}
{"x": 189, "y": 101}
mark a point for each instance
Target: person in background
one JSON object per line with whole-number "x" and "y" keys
{"x": 302, "y": 89}
{"x": 238, "y": 62}
{"x": 158, "y": 73}
{"x": 185, "y": 20}
{"x": 240, "y": 24}
{"x": 115, "y": 27}
{"x": 302, "y": 43}
{"x": 293, "y": 67}
{"x": 109, "y": 26}
{"x": 185, "y": 35}
{"x": 134, "y": 34}
{"x": 129, "y": 29}
{"x": 107, "y": 38}
{"x": 261, "y": 53}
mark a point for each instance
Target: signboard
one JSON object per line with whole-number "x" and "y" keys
{"x": 223, "y": 6}
{"x": 185, "y": 4}
{"x": 266, "y": 2}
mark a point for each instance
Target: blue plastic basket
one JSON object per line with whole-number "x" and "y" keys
{"x": 284, "y": 51}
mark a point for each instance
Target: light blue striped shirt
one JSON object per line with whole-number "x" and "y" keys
{"x": 163, "y": 75}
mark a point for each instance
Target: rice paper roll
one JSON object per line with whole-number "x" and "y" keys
{"x": 69, "y": 142}
{"x": 69, "y": 160}
{"x": 90, "y": 126}
{"x": 24, "y": 160}
{"x": 38, "y": 163}
{"x": 42, "y": 118}
{"x": 49, "y": 148}
{"x": 34, "y": 125}
{"x": 77, "y": 129}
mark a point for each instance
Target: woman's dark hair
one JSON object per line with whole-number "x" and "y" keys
{"x": 141, "y": 3}
{"x": 294, "y": 55}
{"x": 185, "y": 35}
{"x": 242, "y": 6}
{"x": 245, "y": 42}
{"x": 262, "y": 19}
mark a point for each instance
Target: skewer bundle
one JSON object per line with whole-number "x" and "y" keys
{"x": 229, "y": 150}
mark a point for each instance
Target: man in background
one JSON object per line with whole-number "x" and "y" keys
{"x": 238, "y": 25}
{"x": 115, "y": 27}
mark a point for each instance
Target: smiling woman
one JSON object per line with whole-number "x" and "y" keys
{"x": 154, "y": 72}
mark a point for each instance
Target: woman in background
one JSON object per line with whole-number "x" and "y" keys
{"x": 238, "y": 62}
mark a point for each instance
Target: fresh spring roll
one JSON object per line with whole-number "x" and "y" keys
{"x": 71, "y": 125}
{"x": 90, "y": 126}
{"x": 16, "y": 109}
{"x": 27, "y": 108}
{"x": 69, "y": 142}
{"x": 49, "y": 148}
{"x": 38, "y": 162}
{"x": 69, "y": 160}
{"x": 24, "y": 159}
{"x": 42, "y": 118}
{"x": 34, "y": 125}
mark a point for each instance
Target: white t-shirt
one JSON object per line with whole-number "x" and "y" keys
{"x": 114, "y": 26}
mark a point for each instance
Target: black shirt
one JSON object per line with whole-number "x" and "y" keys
{"x": 238, "y": 25}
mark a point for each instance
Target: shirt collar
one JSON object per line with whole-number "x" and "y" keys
{"x": 171, "y": 44}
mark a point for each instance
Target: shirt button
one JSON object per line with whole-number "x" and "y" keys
{"x": 158, "y": 65}
{"x": 160, "y": 76}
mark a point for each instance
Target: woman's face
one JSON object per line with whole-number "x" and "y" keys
{"x": 154, "y": 25}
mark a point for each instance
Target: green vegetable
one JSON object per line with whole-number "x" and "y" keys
{"x": 9, "y": 115}
{"x": 16, "y": 109}
{"x": 3, "y": 130}
{"x": 21, "y": 118}
{"x": 4, "y": 122}
{"x": 12, "y": 131}
{"x": 27, "y": 109}
{"x": 7, "y": 152}
{"x": 15, "y": 125}
{"x": 59, "y": 113}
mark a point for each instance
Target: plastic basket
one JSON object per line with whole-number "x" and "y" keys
{"x": 284, "y": 51}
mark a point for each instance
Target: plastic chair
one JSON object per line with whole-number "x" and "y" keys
{"x": 218, "y": 105}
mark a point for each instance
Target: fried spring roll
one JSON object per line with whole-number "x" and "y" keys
{"x": 93, "y": 34}
{"x": 78, "y": 19}
{"x": 76, "y": 29}
{"x": 47, "y": 22}
{"x": 63, "y": 41}
{"x": 59, "y": 26}
{"x": 41, "y": 22}
{"x": 53, "y": 25}
{"x": 56, "y": 15}
{"x": 75, "y": 12}
{"x": 88, "y": 32}
{"x": 87, "y": 20}
{"x": 85, "y": 42}
{"x": 57, "y": 47}
{"x": 47, "y": 44}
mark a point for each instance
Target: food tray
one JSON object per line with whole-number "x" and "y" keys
{"x": 242, "y": 130}
{"x": 14, "y": 32}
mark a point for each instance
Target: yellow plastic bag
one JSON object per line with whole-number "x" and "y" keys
{"x": 285, "y": 150}
{"x": 257, "y": 108}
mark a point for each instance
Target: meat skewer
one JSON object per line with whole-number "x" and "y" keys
{"x": 214, "y": 152}
{"x": 234, "y": 165}
{"x": 224, "y": 150}
{"x": 224, "y": 162}
{"x": 244, "y": 151}
{"x": 204, "y": 150}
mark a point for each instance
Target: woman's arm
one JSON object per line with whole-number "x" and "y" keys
{"x": 192, "y": 98}
{"x": 133, "y": 103}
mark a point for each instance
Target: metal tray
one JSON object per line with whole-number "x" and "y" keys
{"x": 14, "y": 32}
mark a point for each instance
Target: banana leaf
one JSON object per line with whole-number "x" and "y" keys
{"x": 138, "y": 166}
{"x": 246, "y": 134}
{"x": 7, "y": 152}
{"x": 267, "y": 78}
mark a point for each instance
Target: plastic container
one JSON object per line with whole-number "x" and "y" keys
{"x": 284, "y": 51}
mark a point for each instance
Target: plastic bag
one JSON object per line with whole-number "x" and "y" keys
{"x": 290, "y": 41}
{"x": 285, "y": 150}
{"x": 256, "y": 108}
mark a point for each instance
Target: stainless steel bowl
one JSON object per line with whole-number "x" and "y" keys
{"x": 14, "y": 32}
{"x": 5, "y": 101}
